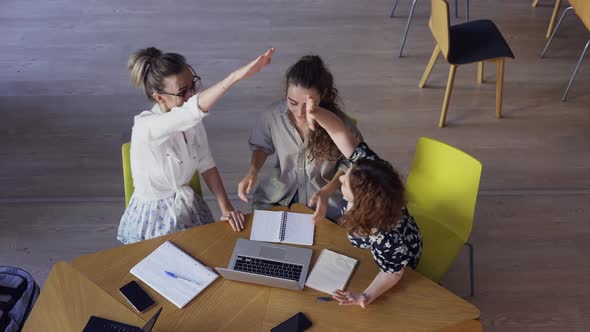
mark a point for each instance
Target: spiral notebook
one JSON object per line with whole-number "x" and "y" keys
{"x": 331, "y": 272}
{"x": 168, "y": 257}
{"x": 282, "y": 227}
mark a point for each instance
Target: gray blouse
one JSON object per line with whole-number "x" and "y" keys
{"x": 293, "y": 177}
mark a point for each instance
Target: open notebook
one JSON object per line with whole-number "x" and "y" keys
{"x": 168, "y": 257}
{"x": 331, "y": 272}
{"x": 282, "y": 227}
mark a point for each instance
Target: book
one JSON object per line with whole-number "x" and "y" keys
{"x": 282, "y": 227}
{"x": 331, "y": 272}
{"x": 193, "y": 277}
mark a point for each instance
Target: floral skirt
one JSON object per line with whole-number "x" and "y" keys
{"x": 145, "y": 219}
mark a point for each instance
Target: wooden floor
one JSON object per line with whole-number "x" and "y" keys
{"x": 67, "y": 105}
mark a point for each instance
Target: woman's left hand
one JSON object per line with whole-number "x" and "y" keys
{"x": 351, "y": 298}
{"x": 235, "y": 218}
{"x": 254, "y": 66}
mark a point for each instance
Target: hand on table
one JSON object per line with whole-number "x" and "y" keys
{"x": 351, "y": 298}
{"x": 235, "y": 218}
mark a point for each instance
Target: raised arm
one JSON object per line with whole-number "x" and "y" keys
{"x": 210, "y": 96}
{"x": 344, "y": 139}
{"x": 153, "y": 128}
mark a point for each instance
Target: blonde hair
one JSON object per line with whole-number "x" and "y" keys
{"x": 149, "y": 67}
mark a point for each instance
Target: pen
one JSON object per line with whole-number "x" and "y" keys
{"x": 179, "y": 277}
{"x": 324, "y": 299}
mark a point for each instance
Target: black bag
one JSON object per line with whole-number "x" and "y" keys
{"x": 18, "y": 293}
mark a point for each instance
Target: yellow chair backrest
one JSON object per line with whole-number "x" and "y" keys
{"x": 128, "y": 179}
{"x": 440, "y": 24}
{"x": 441, "y": 192}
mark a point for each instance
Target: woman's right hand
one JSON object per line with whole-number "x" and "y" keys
{"x": 245, "y": 186}
{"x": 320, "y": 200}
{"x": 255, "y": 65}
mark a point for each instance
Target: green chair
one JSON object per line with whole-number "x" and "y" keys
{"x": 441, "y": 192}
{"x": 128, "y": 179}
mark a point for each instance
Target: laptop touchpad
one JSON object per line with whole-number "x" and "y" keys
{"x": 273, "y": 253}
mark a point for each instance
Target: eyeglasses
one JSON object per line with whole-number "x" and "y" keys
{"x": 186, "y": 93}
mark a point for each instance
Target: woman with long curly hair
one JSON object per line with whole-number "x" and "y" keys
{"x": 305, "y": 160}
{"x": 376, "y": 217}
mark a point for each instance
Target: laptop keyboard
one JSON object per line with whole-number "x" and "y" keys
{"x": 268, "y": 268}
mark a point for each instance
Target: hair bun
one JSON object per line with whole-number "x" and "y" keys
{"x": 139, "y": 63}
{"x": 152, "y": 53}
{"x": 313, "y": 60}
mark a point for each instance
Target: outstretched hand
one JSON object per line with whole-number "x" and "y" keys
{"x": 255, "y": 66}
{"x": 351, "y": 298}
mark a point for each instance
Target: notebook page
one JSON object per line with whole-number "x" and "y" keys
{"x": 168, "y": 257}
{"x": 331, "y": 272}
{"x": 266, "y": 226}
{"x": 299, "y": 229}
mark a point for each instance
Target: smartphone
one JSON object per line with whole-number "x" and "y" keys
{"x": 138, "y": 298}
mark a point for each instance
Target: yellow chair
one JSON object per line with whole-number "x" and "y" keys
{"x": 471, "y": 42}
{"x": 128, "y": 179}
{"x": 441, "y": 192}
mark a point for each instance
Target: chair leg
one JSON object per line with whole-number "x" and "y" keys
{"x": 445, "y": 107}
{"x": 471, "y": 270}
{"x": 480, "y": 72}
{"x": 555, "y": 31}
{"x": 430, "y": 65}
{"x": 466, "y": 10}
{"x": 499, "y": 86}
{"x": 393, "y": 10}
{"x": 535, "y": 3}
{"x": 575, "y": 71}
{"x": 553, "y": 17}
{"x": 407, "y": 27}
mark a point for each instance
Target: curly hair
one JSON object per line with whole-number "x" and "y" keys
{"x": 311, "y": 73}
{"x": 378, "y": 198}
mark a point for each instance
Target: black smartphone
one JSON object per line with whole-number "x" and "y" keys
{"x": 138, "y": 298}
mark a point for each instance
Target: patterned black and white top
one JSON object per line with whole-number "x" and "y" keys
{"x": 397, "y": 248}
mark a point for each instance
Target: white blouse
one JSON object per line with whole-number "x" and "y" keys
{"x": 166, "y": 150}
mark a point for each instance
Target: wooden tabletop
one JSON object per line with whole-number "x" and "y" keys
{"x": 69, "y": 299}
{"x": 466, "y": 326}
{"x": 415, "y": 304}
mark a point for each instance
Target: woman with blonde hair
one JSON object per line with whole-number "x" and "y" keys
{"x": 169, "y": 143}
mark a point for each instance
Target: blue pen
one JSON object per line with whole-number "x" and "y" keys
{"x": 179, "y": 277}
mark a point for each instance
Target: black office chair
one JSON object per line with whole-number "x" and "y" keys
{"x": 475, "y": 41}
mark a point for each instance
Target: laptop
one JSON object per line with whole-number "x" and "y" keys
{"x": 99, "y": 324}
{"x": 268, "y": 264}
